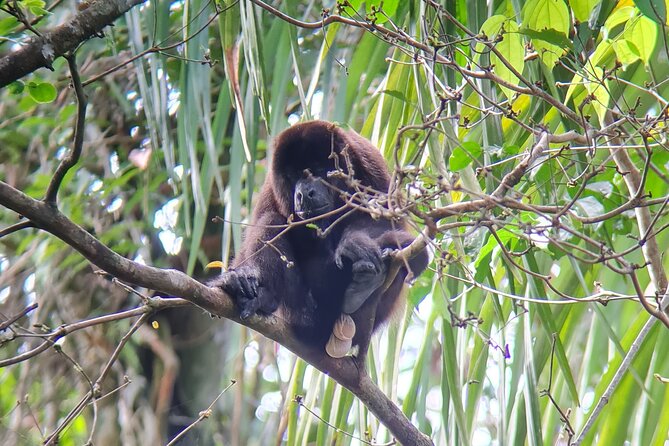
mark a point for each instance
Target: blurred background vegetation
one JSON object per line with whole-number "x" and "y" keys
{"x": 510, "y": 338}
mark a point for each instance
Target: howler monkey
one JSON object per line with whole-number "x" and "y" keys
{"x": 336, "y": 263}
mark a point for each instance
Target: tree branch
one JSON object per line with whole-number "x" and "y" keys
{"x": 346, "y": 371}
{"x": 635, "y": 182}
{"x": 73, "y": 157}
{"x": 40, "y": 52}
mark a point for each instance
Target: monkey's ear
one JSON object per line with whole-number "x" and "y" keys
{"x": 341, "y": 338}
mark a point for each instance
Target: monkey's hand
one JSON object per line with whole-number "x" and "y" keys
{"x": 368, "y": 269}
{"x": 244, "y": 286}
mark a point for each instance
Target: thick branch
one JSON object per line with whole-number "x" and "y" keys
{"x": 40, "y": 52}
{"x": 175, "y": 283}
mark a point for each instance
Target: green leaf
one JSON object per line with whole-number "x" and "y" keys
{"x": 642, "y": 33}
{"x": 36, "y": 7}
{"x": 463, "y": 155}
{"x": 491, "y": 28}
{"x": 483, "y": 259}
{"x": 543, "y": 15}
{"x": 450, "y": 373}
{"x": 389, "y": 8}
{"x": 7, "y": 25}
{"x": 596, "y": 87}
{"x": 656, "y": 10}
{"x": 16, "y": 87}
{"x": 396, "y": 94}
{"x": 583, "y": 8}
{"x": 626, "y": 52}
{"x": 548, "y": 35}
{"x": 42, "y": 92}
{"x": 618, "y": 17}
{"x": 513, "y": 50}
{"x": 354, "y": 5}
{"x": 510, "y": 46}
{"x": 604, "y": 54}
{"x": 511, "y": 149}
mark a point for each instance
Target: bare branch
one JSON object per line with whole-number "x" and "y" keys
{"x": 7, "y": 323}
{"x": 40, "y": 52}
{"x": 16, "y": 227}
{"x": 72, "y": 158}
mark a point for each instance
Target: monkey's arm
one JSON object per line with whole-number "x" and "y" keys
{"x": 263, "y": 272}
{"x": 366, "y": 249}
{"x": 362, "y": 254}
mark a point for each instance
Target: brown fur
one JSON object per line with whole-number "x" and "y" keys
{"x": 298, "y": 273}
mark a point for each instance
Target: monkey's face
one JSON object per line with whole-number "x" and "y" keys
{"x": 313, "y": 196}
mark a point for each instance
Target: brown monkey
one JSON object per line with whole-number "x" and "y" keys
{"x": 317, "y": 278}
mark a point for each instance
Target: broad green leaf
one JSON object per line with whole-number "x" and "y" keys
{"x": 612, "y": 365}
{"x": 531, "y": 389}
{"x": 583, "y": 8}
{"x": 368, "y": 57}
{"x": 490, "y": 28}
{"x": 642, "y": 33}
{"x": 595, "y": 85}
{"x": 36, "y": 7}
{"x": 389, "y": 8}
{"x": 229, "y": 24}
{"x": 7, "y": 25}
{"x": 481, "y": 263}
{"x": 326, "y": 414}
{"x": 548, "y": 322}
{"x": 42, "y": 92}
{"x": 354, "y": 5}
{"x": 589, "y": 83}
{"x": 409, "y": 403}
{"x": 617, "y": 18}
{"x": 511, "y": 48}
{"x": 541, "y": 15}
{"x": 463, "y": 155}
{"x": 395, "y": 93}
{"x": 552, "y": 36}
{"x": 604, "y": 54}
{"x": 626, "y": 52}
{"x": 294, "y": 392}
{"x": 656, "y": 10}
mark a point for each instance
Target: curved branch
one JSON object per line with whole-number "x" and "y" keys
{"x": 346, "y": 371}
{"x": 73, "y": 157}
{"x": 41, "y": 51}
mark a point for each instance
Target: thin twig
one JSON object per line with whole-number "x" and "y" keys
{"x": 203, "y": 414}
{"x": 5, "y": 324}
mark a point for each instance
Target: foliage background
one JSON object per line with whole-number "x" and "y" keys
{"x": 488, "y": 352}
